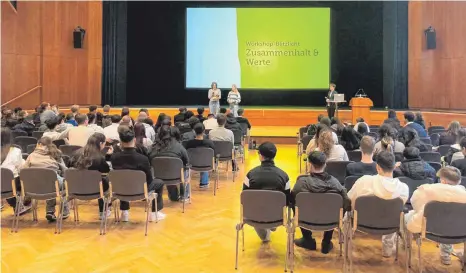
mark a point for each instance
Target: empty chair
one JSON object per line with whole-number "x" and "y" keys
{"x": 376, "y": 216}
{"x": 224, "y": 153}
{"x": 431, "y": 128}
{"x": 171, "y": 171}
{"x": 302, "y": 148}
{"x": 265, "y": 210}
{"x": 8, "y": 189}
{"x": 443, "y": 150}
{"x": 24, "y": 141}
{"x": 430, "y": 156}
{"x": 438, "y": 131}
{"x": 238, "y": 139}
{"x": 435, "y": 139}
{"x": 350, "y": 180}
{"x": 413, "y": 184}
{"x": 84, "y": 185}
{"x": 316, "y": 212}
{"x": 15, "y": 134}
{"x": 337, "y": 169}
{"x": 302, "y": 132}
{"x": 37, "y": 134}
{"x": 129, "y": 185}
{"x": 41, "y": 184}
{"x": 59, "y": 142}
{"x": 437, "y": 166}
{"x": 69, "y": 149}
{"x": 203, "y": 160}
{"x": 444, "y": 223}
{"x": 354, "y": 156}
{"x": 30, "y": 148}
{"x": 426, "y": 140}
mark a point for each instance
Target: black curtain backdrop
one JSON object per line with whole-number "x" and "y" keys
{"x": 154, "y": 71}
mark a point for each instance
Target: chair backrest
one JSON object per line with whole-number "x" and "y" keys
{"x": 446, "y": 219}
{"x": 426, "y": 140}
{"x": 30, "y": 148}
{"x": 59, "y": 142}
{"x": 413, "y": 184}
{"x": 374, "y": 135}
{"x": 437, "y": 166}
{"x": 438, "y": 131}
{"x": 428, "y": 147}
{"x": 431, "y": 128}
{"x": 244, "y": 128}
{"x": 238, "y": 136}
{"x": 302, "y": 131}
{"x": 37, "y": 134}
{"x": 435, "y": 139}
{"x": 374, "y": 128}
{"x": 69, "y": 149}
{"x": 355, "y": 156}
{"x": 463, "y": 181}
{"x": 337, "y": 169}
{"x": 38, "y": 182}
{"x": 443, "y": 150}
{"x": 305, "y": 140}
{"x": 168, "y": 169}
{"x": 378, "y": 216}
{"x": 25, "y": 156}
{"x": 350, "y": 180}
{"x": 6, "y": 183}
{"x": 201, "y": 157}
{"x": 263, "y": 206}
{"x": 16, "y": 134}
{"x": 430, "y": 156}
{"x": 66, "y": 160}
{"x": 24, "y": 141}
{"x": 319, "y": 210}
{"x": 223, "y": 149}
{"x": 127, "y": 184}
{"x": 83, "y": 182}
{"x": 399, "y": 157}
{"x": 207, "y": 131}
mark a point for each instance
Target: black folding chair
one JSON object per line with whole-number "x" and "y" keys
{"x": 37, "y": 134}
{"x": 430, "y": 156}
{"x": 239, "y": 144}
{"x": 69, "y": 149}
{"x": 16, "y": 134}
{"x": 443, "y": 149}
{"x": 337, "y": 169}
{"x": 413, "y": 184}
{"x": 429, "y": 147}
{"x": 437, "y": 166}
{"x": 426, "y": 140}
{"x": 438, "y": 131}
{"x": 463, "y": 181}
{"x": 350, "y": 180}
{"x": 24, "y": 141}
{"x": 30, "y": 148}
{"x": 224, "y": 152}
{"x": 435, "y": 139}
{"x": 8, "y": 190}
{"x": 59, "y": 142}
{"x": 355, "y": 156}
{"x": 203, "y": 160}
{"x": 431, "y": 128}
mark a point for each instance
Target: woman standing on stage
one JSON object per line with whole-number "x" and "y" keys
{"x": 215, "y": 95}
{"x": 234, "y": 98}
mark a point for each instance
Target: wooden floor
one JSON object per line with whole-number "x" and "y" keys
{"x": 200, "y": 240}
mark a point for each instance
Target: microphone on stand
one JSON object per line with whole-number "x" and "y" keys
{"x": 360, "y": 93}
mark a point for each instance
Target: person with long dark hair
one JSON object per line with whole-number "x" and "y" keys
{"x": 386, "y": 131}
{"x": 140, "y": 135}
{"x": 410, "y": 138}
{"x": 349, "y": 139}
{"x": 159, "y": 122}
{"x": 450, "y": 137}
{"x": 392, "y": 120}
{"x": 315, "y": 140}
{"x": 420, "y": 120}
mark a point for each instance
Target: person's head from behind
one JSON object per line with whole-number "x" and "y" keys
{"x": 240, "y": 112}
{"x": 332, "y": 86}
{"x": 92, "y": 150}
{"x": 391, "y": 114}
{"x": 192, "y": 121}
{"x": 139, "y": 132}
{"x": 115, "y": 118}
{"x": 409, "y": 116}
{"x": 126, "y": 134}
{"x": 385, "y": 163}
{"x": 51, "y": 123}
{"x": 453, "y": 128}
{"x": 362, "y": 128}
{"x": 385, "y": 130}
{"x": 326, "y": 121}
{"x": 81, "y": 119}
{"x": 160, "y": 118}
{"x": 449, "y": 175}
{"x": 411, "y": 153}
{"x": 387, "y": 144}
{"x": 125, "y": 111}
{"x": 74, "y": 109}
{"x": 336, "y": 121}
{"x": 61, "y": 117}
{"x": 319, "y": 129}
{"x": 106, "y": 109}
{"x": 200, "y": 111}
{"x": 175, "y": 133}
{"x": 69, "y": 116}
{"x": 142, "y": 117}
{"x": 349, "y": 135}
{"x": 144, "y": 110}
{"x": 199, "y": 129}
{"x": 46, "y": 144}
{"x": 409, "y": 135}
{"x": 221, "y": 120}
{"x": 326, "y": 142}
{"x": 320, "y": 117}
{"x": 93, "y": 109}
{"x": 418, "y": 116}
{"x": 317, "y": 162}
{"x": 223, "y": 110}
{"x": 210, "y": 116}
{"x": 360, "y": 119}
{"x": 461, "y": 135}
{"x": 126, "y": 120}
{"x": 367, "y": 145}
{"x": 182, "y": 110}
{"x": 188, "y": 114}
{"x": 91, "y": 117}
{"x": 267, "y": 151}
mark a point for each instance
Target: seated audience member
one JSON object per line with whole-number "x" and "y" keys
{"x": 192, "y": 121}
{"x": 349, "y": 139}
{"x": 450, "y": 137}
{"x": 454, "y": 153}
{"x": 129, "y": 159}
{"x": 17, "y": 110}
{"x": 420, "y": 120}
{"x": 384, "y": 186}
{"x": 92, "y": 123}
{"x": 167, "y": 145}
{"x": 106, "y": 110}
{"x": 361, "y": 126}
{"x": 25, "y": 123}
{"x": 158, "y": 124}
{"x": 145, "y": 110}
{"x": 223, "y": 110}
{"x": 267, "y": 176}
{"x": 326, "y": 121}
{"x": 11, "y": 158}
{"x": 242, "y": 119}
{"x": 409, "y": 118}
{"x": 46, "y": 113}
{"x": 111, "y": 131}
{"x": 98, "y": 115}
{"x": 414, "y": 167}
{"x": 232, "y": 124}
{"x": 126, "y": 120}
{"x": 220, "y": 133}
{"x": 8, "y": 119}
{"x": 150, "y": 133}
{"x": 337, "y": 126}
{"x": 388, "y": 131}
{"x": 312, "y": 128}
{"x": 315, "y": 140}
{"x": 141, "y": 136}
{"x": 125, "y": 112}
{"x": 80, "y": 134}
{"x": 461, "y": 163}
{"x": 318, "y": 181}
{"x": 47, "y": 155}
{"x": 448, "y": 190}
{"x": 90, "y": 157}
{"x": 52, "y": 133}
{"x": 367, "y": 166}
{"x": 70, "y": 119}
{"x": 410, "y": 138}
{"x": 106, "y": 117}
{"x": 200, "y": 141}
{"x": 62, "y": 125}
{"x": 74, "y": 109}
{"x": 211, "y": 122}
{"x": 392, "y": 120}
{"x": 333, "y": 152}
{"x": 200, "y": 114}
{"x": 180, "y": 117}
{"x": 189, "y": 114}
{"x": 35, "y": 116}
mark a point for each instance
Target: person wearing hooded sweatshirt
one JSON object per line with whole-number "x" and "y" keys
{"x": 414, "y": 167}
{"x": 62, "y": 125}
{"x": 384, "y": 186}
{"x": 25, "y": 123}
{"x": 318, "y": 181}
{"x": 232, "y": 124}
{"x": 448, "y": 190}
{"x": 454, "y": 153}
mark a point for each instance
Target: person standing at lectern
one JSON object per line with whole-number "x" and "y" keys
{"x": 215, "y": 95}
{"x": 331, "y": 106}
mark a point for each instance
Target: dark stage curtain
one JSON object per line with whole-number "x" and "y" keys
{"x": 395, "y": 54}
{"x": 114, "y": 44}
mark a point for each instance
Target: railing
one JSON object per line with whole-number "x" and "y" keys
{"x": 23, "y": 94}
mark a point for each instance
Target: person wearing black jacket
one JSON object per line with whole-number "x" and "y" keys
{"x": 414, "y": 167}
{"x": 242, "y": 119}
{"x": 267, "y": 177}
{"x": 232, "y": 124}
{"x": 318, "y": 181}
{"x": 167, "y": 145}
{"x": 460, "y": 164}
{"x": 25, "y": 123}
{"x": 200, "y": 114}
{"x": 180, "y": 117}
{"x": 129, "y": 159}
{"x": 392, "y": 120}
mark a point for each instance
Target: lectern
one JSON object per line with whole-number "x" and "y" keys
{"x": 361, "y": 107}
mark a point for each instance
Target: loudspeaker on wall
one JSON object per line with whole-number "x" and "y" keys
{"x": 431, "y": 38}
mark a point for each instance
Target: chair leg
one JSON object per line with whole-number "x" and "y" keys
{"x": 75, "y": 217}
{"x": 147, "y": 215}
{"x": 396, "y": 246}
{"x": 14, "y": 225}
{"x": 340, "y": 240}
{"x": 463, "y": 259}
{"x": 34, "y": 210}
{"x": 351, "y": 250}
{"x": 242, "y": 235}
{"x": 287, "y": 254}
{"x": 419, "y": 243}
{"x": 57, "y": 224}
{"x": 156, "y": 209}
{"x": 234, "y": 170}
{"x": 237, "y": 242}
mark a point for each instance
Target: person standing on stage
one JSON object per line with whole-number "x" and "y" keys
{"x": 215, "y": 95}
{"x": 331, "y": 106}
{"x": 234, "y": 98}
